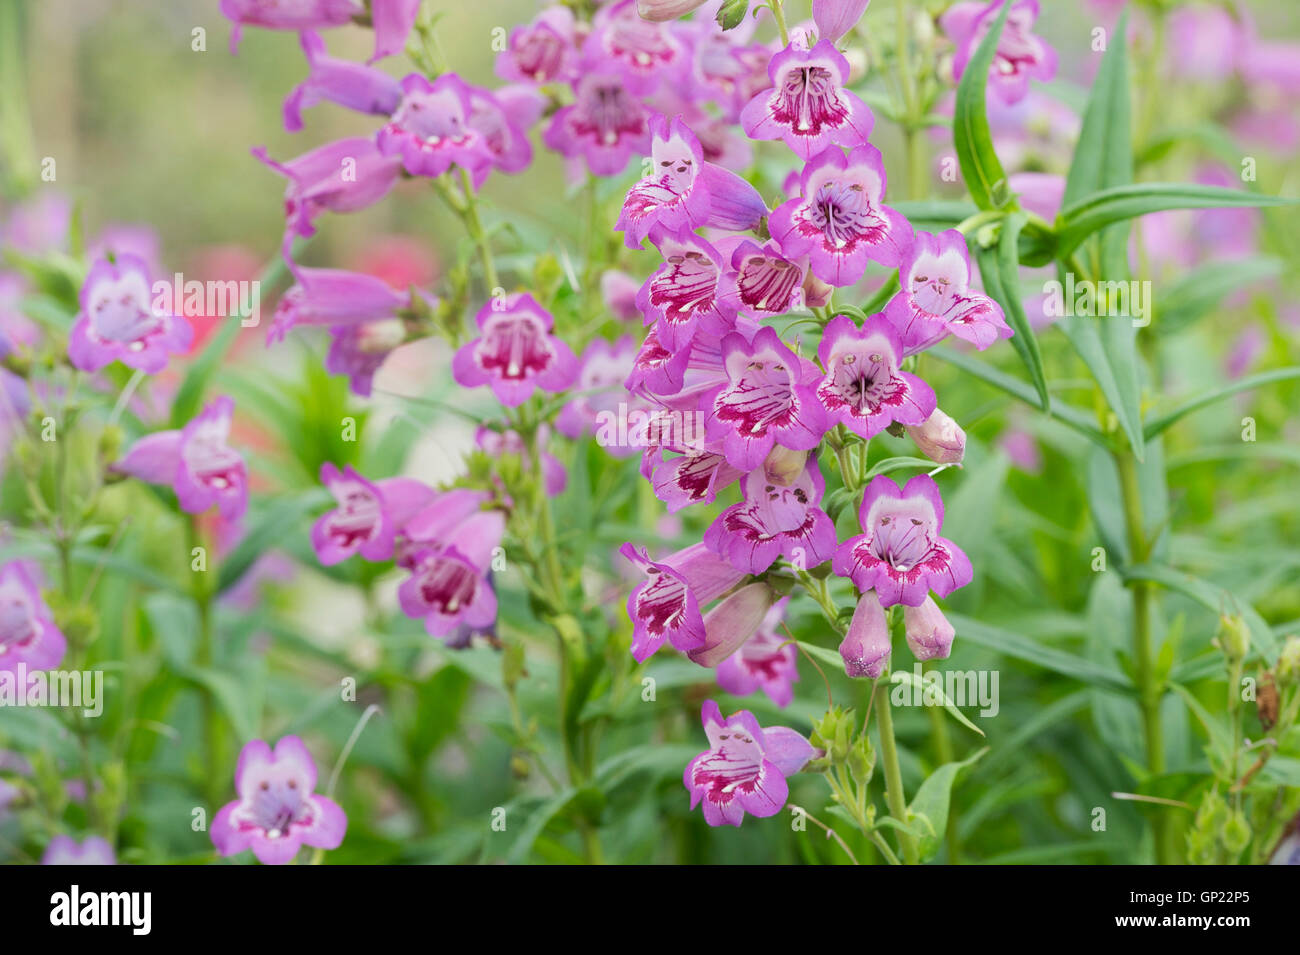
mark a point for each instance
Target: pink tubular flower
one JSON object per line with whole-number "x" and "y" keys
{"x": 1020, "y": 54}
{"x": 766, "y": 282}
{"x": 515, "y": 352}
{"x": 660, "y": 11}
{"x": 865, "y": 648}
{"x": 665, "y": 607}
{"x": 542, "y": 51}
{"x": 449, "y": 584}
{"x": 65, "y": 850}
{"x": 733, "y": 621}
{"x": 745, "y": 768}
{"x": 864, "y": 389}
{"x": 643, "y": 50}
{"x": 618, "y": 291}
{"x": 900, "y": 553}
{"x": 28, "y": 635}
{"x": 359, "y": 350}
{"x": 118, "y": 323}
{"x": 838, "y": 221}
{"x": 683, "y": 191}
{"x": 808, "y": 106}
{"x": 769, "y": 398}
{"x": 335, "y": 298}
{"x": 277, "y": 812}
{"x": 502, "y": 119}
{"x": 392, "y": 20}
{"x": 929, "y": 634}
{"x": 368, "y": 517}
{"x": 362, "y": 88}
{"x": 342, "y": 176}
{"x": 605, "y": 125}
{"x": 288, "y": 15}
{"x": 936, "y": 298}
{"x": 196, "y": 461}
{"x": 834, "y": 18}
{"x": 766, "y": 661}
{"x": 939, "y": 438}
{"x": 430, "y": 129}
{"x": 776, "y": 519}
{"x": 691, "y": 290}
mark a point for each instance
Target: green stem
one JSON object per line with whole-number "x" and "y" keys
{"x": 474, "y": 225}
{"x": 944, "y": 753}
{"x": 778, "y": 14}
{"x": 893, "y": 775}
{"x": 1149, "y": 690}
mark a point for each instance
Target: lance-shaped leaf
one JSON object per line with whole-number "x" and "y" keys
{"x": 980, "y": 166}
{"x": 1000, "y": 270}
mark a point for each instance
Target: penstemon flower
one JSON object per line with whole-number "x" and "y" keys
{"x": 516, "y": 352}
{"x": 838, "y": 220}
{"x": 277, "y": 812}
{"x": 834, "y": 18}
{"x": 334, "y": 298}
{"x": 745, "y": 768}
{"x": 369, "y": 515}
{"x": 769, "y": 398}
{"x": 691, "y": 290}
{"x": 866, "y": 646}
{"x": 606, "y": 124}
{"x": 196, "y": 461}
{"x": 900, "y": 553}
{"x": 449, "y": 584}
{"x": 288, "y": 14}
{"x": 431, "y": 131}
{"x": 543, "y": 51}
{"x": 28, "y": 634}
{"x": 362, "y": 88}
{"x": 929, "y": 634}
{"x": 1020, "y": 55}
{"x": 342, "y": 176}
{"x": 776, "y": 518}
{"x": 807, "y": 105}
{"x": 864, "y": 388}
{"x": 732, "y": 622}
{"x": 641, "y": 48}
{"x": 117, "y": 321}
{"x": 666, "y": 606}
{"x": 936, "y": 298}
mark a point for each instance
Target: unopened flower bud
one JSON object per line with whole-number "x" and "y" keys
{"x": 865, "y": 647}
{"x": 732, "y": 622}
{"x": 1233, "y": 637}
{"x": 661, "y": 11}
{"x": 783, "y": 466}
{"x": 816, "y": 293}
{"x": 940, "y": 439}
{"x": 1288, "y": 661}
{"x": 929, "y": 634}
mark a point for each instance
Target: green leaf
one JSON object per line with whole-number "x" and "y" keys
{"x": 886, "y": 465}
{"x": 1075, "y": 418}
{"x": 1000, "y": 270}
{"x": 1108, "y": 347}
{"x": 932, "y": 801}
{"x": 1218, "y": 394}
{"x": 1091, "y": 215}
{"x": 935, "y": 215}
{"x": 1031, "y": 651}
{"x": 920, "y": 683}
{"x": 1220, "y": 739}
{"x": 980, "y": 166}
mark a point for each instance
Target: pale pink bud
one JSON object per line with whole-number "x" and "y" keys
{"x": 929, "y": 634}
{"x": 865, "y": 647}
{"x": 732, "y": 622}
{"x": 940, "y": 439}
{"x": 662, "y": 10}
